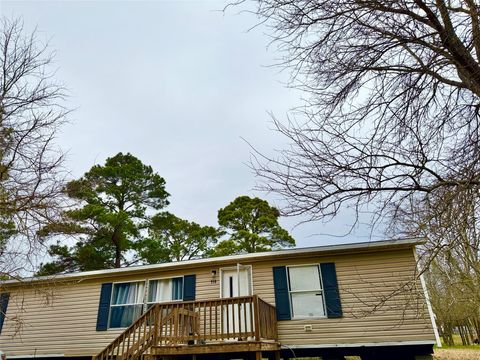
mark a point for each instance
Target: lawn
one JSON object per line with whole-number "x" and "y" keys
{"x": 457, "y": 354}
{"x": 458, "y": 351}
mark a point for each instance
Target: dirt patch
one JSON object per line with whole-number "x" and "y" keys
{"x": 456, "y": 354}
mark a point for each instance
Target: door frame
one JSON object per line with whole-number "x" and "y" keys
{"x": 250, "y": 271}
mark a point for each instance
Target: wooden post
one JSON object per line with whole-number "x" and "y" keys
{"x": 276, "y": 354}
{"x": 258, "y": 355}
{"x": 156, "y": 323}
{"x": 273, "y": 315}
{"x": 257, "y": 318}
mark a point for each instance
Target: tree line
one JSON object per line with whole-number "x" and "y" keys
{"x": 115, "y": 214}
{"x": 118, "y": 218}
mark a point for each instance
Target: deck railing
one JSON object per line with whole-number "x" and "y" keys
{"x": 267, "y": 315}
{"x": 133, "y": 342}
{"x": 246, "y": 318}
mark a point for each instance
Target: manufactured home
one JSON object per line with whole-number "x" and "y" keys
{"x": 361, "y": 299}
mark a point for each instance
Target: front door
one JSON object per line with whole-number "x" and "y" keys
{"x": 236, "y": 282}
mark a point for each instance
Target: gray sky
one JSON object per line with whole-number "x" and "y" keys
{"x": 178, "y": 84}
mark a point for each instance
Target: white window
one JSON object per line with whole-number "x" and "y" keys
{"x": 306, "y": 291}
{"x": 127, "y": 303}
{"x": 128, "y": 299}
{"x": 165, "y": 290}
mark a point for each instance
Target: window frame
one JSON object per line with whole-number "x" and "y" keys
{"x": 321, "y": 290}
{"x": 118, "y": 305}
{"x": 147, "y": 290}
{"x": 144, "y": 303}
{"x": 228, "y": 268}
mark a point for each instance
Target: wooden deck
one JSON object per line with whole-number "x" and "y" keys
{"x": 216, "y": 348}
{"x": 231, "y": 325}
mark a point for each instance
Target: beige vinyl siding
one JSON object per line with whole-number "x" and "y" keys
{"x": 62, "y": 319}
{"x": 365, "y": 282}
{"x": 66, "y": 324}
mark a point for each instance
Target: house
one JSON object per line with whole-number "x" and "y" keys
{"x": 354, "y": 299}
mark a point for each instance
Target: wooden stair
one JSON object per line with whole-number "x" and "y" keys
{"x": 240, "y": 324}
{"x": 134, "y": 341}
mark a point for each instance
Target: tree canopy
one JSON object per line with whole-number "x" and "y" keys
{"x": 114, "y": 199}
{"x": 114, "y": 221}
{"x": 173, "y": 239}
{"x": 252, "y": 226}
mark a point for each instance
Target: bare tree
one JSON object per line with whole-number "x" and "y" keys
{"x": 31, "y": 113}
{"x": 451, "y": 259}
{"x": 393, "y": 99}
{"x": 390, "y": 126}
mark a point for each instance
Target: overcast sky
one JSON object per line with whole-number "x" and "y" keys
{"x": 178, "y": 84}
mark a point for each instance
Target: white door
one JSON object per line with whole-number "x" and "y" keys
{"x": 237, "y": 282}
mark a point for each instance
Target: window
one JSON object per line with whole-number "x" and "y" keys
{"x": 128, "y": 299}
{"x": 165, "y": 290}
{"x": 126, "y": 304}
{"x": 305, "y": 291}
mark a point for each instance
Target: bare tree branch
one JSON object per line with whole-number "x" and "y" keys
{"x": 393, "y": 99}
{"x": 31, "y": 174}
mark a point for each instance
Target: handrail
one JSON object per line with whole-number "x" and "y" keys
{"x": 130, "y": 344}
{"x": 239, "y": 318}
{"x": 188, "y": 322}
{"x": 267, "y": 319}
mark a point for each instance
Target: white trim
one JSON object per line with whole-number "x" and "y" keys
{"x": 127, "y": 281}
{"x": 34, "y": 356}
{"x": 427, "y": 300}
{"x": 313, "y": 346}
{"x": 367, "y": 246}
{"x": 388, "y": 343}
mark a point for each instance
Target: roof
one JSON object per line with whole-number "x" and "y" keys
{"x": 361, "y": 247}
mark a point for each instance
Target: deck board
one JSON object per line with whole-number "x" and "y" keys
{"x": 215, "y": 348}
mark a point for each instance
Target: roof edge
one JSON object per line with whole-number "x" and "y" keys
{"x": 336, "y": 248}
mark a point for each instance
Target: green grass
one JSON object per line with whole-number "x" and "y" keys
{"x": 458, "y": 344}
{"x": 468, "y": 347}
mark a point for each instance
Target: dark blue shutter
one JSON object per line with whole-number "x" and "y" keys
{"x": 282, "y": 299}
{"x": 104, "y": 307}
{"x": 189, "y": 287}
{"x": 3, "y": 308}
{"x": 330, "y": 288}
